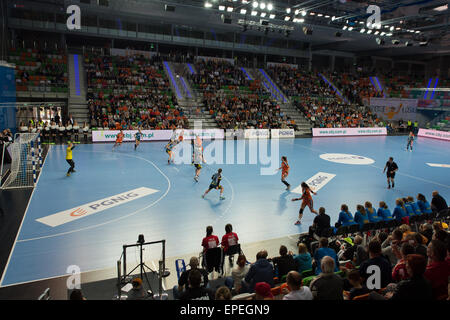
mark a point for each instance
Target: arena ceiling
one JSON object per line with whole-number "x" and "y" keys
{"x": 408, "y": 27}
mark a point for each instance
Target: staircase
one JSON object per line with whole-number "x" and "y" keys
{"x": 187, "y": 98}
{"x": 303, "y": 125}
{"x": 77, "y": 89}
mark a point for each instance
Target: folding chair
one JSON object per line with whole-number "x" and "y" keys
{"x": 212, "y": 260}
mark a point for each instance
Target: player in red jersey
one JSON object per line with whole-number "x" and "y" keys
{"x": 284, "y": 172}
{"x": 119, "y": 139}
{"x": 306, "y": 201}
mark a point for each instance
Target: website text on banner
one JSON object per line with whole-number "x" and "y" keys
{"x": 338, "y": 132}
{"x": 282, "y": 133}
{"x": 156, "y": 135}
{"x": 435, "y": 134}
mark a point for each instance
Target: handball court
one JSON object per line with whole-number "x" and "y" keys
{"x": 85, "y": 219}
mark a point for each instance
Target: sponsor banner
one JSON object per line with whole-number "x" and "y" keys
{"x": 337, "y": 132}
{"x": 394, "y": 109}
{"x": 147, "y": 135}
{"x": 128, "y": 52}
{"x": 94, "y": 207}
{"x": 282, "y": 133}
{"x": 257, "y": 133}
{"x": 204, "y": 134}
{"x": 439, "y": 165}
{"x": 442, "y": 135}
{"x": 346, "y": 158}
{"x": 317, "y": 182}
{"x": 231, "y": 134}
{"x": 215, "y": 59}
{"x": 283, "y": 65}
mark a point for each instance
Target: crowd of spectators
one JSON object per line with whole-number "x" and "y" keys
{"x": 247, "y": 112}
{"x": 332, "y": 113}
{"x": 130, "y": 92}
{"x": 413, "y": 261}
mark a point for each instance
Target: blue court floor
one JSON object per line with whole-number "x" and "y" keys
{"x": 257, "y": 205}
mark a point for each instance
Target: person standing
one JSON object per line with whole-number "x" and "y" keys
{"x": 391, "y": 168}
{"x": 215, "y": 184}
{"x": 307, "y": 201}
{"x": 409, "y": 146}
{"x": 284, "y": 172}
{"x": 69, "y": 158}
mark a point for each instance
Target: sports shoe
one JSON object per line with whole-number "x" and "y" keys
{"x": 222, "y": 198}
{"x": 297, "y": 222}
{"x": 196, "y": 179}
{"x": 203, "y": 196}
{"x": 68, "y": 174}
{"x": 392, "y": 186}
{"x": 288, "y": 188}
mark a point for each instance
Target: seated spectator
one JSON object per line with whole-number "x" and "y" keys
{"x": 237, "y": 275}
{"x": 414, "y": 205}
{"x": 303, "y": 258}
{"x": 345, "y": 217}
{"x": 260, "y": 271}
{"x": 137, "y": 292}
{"x": 438, "y": 203}
{"x": 360, "y": 251}
{"x": 183, "y": 281}
{"x": 399, "y": 271}
{"x": 262, "y": 291}
{"x": 376, "y": 258}
{"x": 426, "y": 230}
{"x": 324, "y": 251}
{"x": 357, "y": 289}
{"x": 229, "y": 239}
{"x": 223, "y": 293}
{"x": 195, "y": 291}
{"x": 373, "y": 217}
{"x": 409, "y": 208}
{"x": 423, "y": 204}
{"x": 438, "y": 268}
{"x": 284, "y": 263}
{"x": 361, "y": 216}
{"x": 400, "y": 210}
{"x": 321, "y": 225}
{"x": 388, "y": 245}
{"x": 210, "y": 241}
{"x": 328, "y": 285}
{"x": 296, "y": 290}
{"x": 440, "y": 235}
{"x": 419, "y": 242}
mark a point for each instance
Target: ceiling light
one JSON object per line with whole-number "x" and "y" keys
{"x": 383, "y": 33}
{"x": 263, "y": 14}
{"x": 262, "y": 5}
{"x": 255, "y": 4}
{"x": 417, "y": 31}
{"x": 230, "y": 9}
{"x": 333, "y": 18}
{"x": 312, "y": 13}
{"x": 303, "y": 13}
{"x": 243, "y": 11}
{"x": 320, "y": 15}
{"x": 301, "y": 20}
{"x": 344, "y": 28}
{"x": 254, "y": 13}
{"x": 270, "y": 7}
{"x": 350, "y": 29}
{"x": 376, "y": 32}
{"x": 327, "y": 16}
{"x": 272, "y": 16}
{"x": 363, "y": 30}
{"x": 208, "y": 5}
{"x": 391, "y": 28}
{"x": 297, "y": 12}
{"x": 287, "y": 18}
{"x": 221, "y": 8}
{"x": 288, "y": 10}
{"x": 369, "y": 31}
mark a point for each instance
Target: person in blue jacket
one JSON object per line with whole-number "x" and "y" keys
{"x": 361, "y": 216}
{"x": 408, "y": 207}
{"x": 400, "y": 210}
{"x": 372, "y": 213}
{"x": 414, "y": 206}
{"x": 384, "y": 212}
{"x": 345, "y": 217}
{"x": 423, "y": 204}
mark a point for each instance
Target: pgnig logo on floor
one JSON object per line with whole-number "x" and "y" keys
{"x": 346, "y": 158}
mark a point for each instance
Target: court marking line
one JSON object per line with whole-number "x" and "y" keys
{"x": 398, "y": 173}
{"x": 23, "y": 219}
{"x": 119, "y": 218}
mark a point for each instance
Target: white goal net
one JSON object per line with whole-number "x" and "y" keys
{"x": 26, "y": 161}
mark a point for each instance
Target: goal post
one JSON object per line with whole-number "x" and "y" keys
{"x": 26, "y": 161}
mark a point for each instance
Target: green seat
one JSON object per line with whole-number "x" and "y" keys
{"x": 307, "y": 273}
{"x": 307, "y": 281}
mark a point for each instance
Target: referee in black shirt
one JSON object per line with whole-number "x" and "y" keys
{"x": 392, "y": 168}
